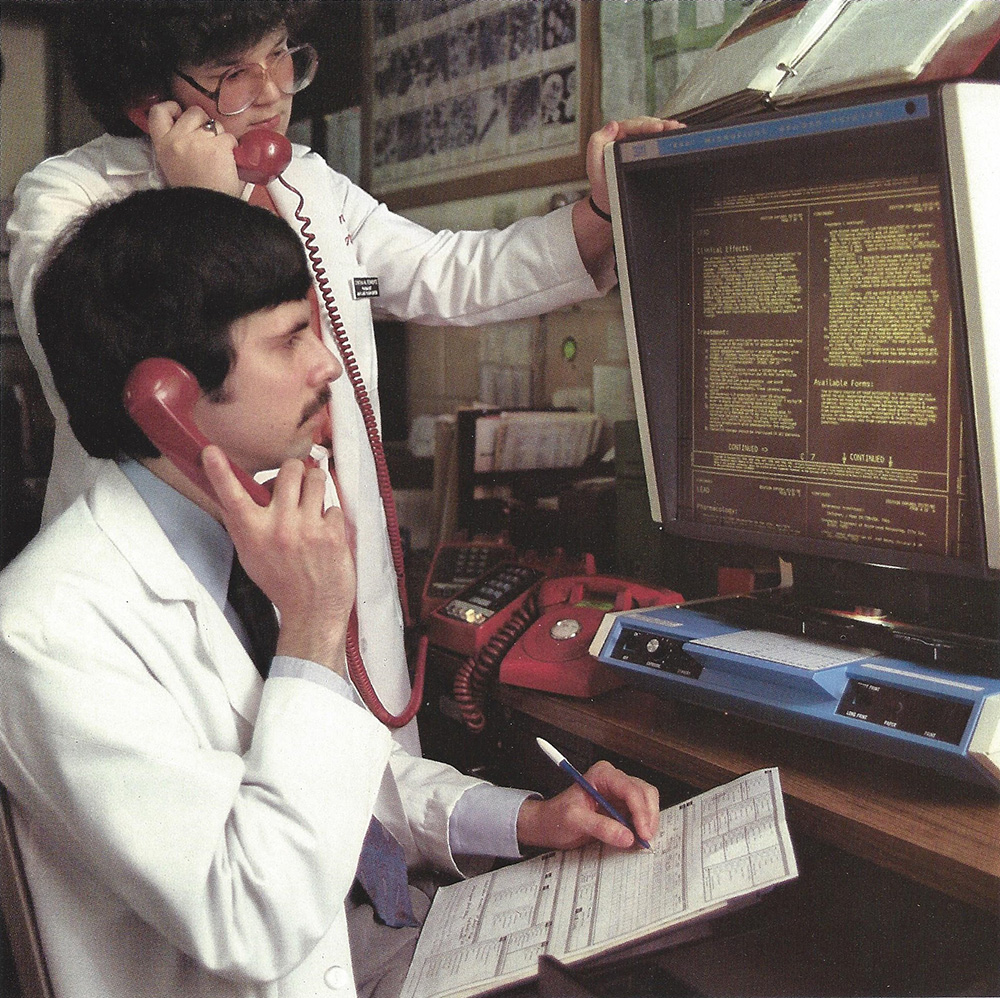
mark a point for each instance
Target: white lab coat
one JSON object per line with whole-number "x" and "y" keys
{"x": 466, "y": 278}
{"x": 188, "y": 830}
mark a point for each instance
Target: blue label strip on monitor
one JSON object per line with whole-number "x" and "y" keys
{"x": 771, "y": 129}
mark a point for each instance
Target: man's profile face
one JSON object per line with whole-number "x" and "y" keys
{"x": 274, "y": 398}
{"x": 272, "y": 109}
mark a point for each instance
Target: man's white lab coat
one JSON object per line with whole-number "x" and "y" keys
{"x": 188, "y": 830}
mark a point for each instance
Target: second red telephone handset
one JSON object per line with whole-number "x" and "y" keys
{"x": 260, "y": 156}
{"x": 160, "y": 395}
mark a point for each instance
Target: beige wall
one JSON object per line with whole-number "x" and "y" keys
{"x": 23, "y": 111}
{"x": 451, "y": 367}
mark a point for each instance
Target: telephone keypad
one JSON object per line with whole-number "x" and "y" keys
{"x": 482, "y": 600}
{"x": 459, "y": 565}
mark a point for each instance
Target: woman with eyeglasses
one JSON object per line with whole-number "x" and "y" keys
{"x": 176, "y": 85}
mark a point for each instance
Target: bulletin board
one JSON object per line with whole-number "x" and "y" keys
{"x": 472, "y": 97}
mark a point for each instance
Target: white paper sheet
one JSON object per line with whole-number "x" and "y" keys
{"x": 726, "y": 844}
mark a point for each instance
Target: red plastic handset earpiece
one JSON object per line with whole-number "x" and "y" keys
{"x": 138, "y": 113}
{"x": 260, "y": 156}
{"x": 160, "y": 395}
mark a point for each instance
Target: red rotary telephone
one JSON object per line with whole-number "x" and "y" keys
{"x": 515, "y": 626}
{"x": 554, "y": 653}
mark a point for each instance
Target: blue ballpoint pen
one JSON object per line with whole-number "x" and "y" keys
{"x": 563, "y": 763}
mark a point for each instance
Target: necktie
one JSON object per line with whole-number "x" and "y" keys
{"x": 382, "y": 866}
{"x": 256, "y": 614}
{"x": 382, "y": 876}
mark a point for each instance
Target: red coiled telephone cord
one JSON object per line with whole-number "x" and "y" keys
{"x": 355, "y": 665}
{"x": 469, "y": 685}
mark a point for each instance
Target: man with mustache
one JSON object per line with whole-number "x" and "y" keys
{"x": 319, "y": 404}
{"x": 192, "y": 825}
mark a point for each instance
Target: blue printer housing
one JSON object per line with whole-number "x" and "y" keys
{"x": 856, "y": 696}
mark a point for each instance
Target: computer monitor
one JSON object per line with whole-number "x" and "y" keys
{"x": 812, "y": 304}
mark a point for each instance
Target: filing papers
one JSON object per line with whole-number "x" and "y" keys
{"x": 717, "y": 849}
{"x": 521, "y": 441}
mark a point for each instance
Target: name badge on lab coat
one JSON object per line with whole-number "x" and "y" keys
{"x": 364, "y": 287}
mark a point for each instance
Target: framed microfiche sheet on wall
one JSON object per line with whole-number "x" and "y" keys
{"x": 474, "y": 97}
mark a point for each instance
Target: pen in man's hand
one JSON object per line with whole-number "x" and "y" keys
{"x": 563, "y": 763}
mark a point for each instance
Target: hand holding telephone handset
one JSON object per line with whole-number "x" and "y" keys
{"x": 159, "y": 396}
{"x": 261, "y": 155}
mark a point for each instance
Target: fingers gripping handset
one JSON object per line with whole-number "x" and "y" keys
{"x": 160, "y": 395}
{"x": 261, "y": 154}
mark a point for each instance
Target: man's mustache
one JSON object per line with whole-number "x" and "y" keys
{"x": 321, "y": 401}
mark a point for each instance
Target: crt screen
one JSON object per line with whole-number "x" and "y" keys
{"x": 820, "y": 393}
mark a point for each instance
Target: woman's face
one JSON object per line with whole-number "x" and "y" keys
{"x": 271, "y": 109}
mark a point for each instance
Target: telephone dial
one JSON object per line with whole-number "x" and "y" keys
{"x": 518, "y": 626}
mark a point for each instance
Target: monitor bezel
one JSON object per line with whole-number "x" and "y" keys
{"x": 649, "y": 275}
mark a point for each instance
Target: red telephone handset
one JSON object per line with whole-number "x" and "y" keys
{"x": 260, "y": 156}
{"x": 160, "y": 395}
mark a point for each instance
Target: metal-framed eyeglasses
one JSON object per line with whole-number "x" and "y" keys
{"x": 291, "y": 71}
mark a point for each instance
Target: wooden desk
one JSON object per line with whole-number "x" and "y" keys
{"x": 938, "y": 832}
